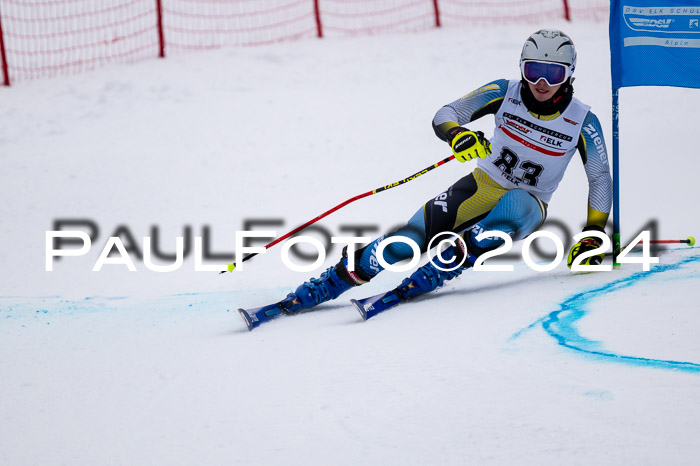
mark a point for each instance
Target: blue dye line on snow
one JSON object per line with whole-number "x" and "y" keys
{"x": 560, "y": 324}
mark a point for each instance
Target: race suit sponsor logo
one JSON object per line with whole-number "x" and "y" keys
{"x": 536, "y": 127}
{"x": 597, "y": 140}
{"x": 518, "y": 127}
{"x": 550, "y": 141}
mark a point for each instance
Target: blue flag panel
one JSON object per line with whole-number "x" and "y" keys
{"x": 655, "y": 43}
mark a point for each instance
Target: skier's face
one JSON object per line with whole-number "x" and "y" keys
{"x": 543, "y": 91}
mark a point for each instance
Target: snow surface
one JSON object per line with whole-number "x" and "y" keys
{"x": 118, "y": 367}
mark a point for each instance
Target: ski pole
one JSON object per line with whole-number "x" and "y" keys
{"x": 690, "y": 241}
{"x": 340, "y": 206}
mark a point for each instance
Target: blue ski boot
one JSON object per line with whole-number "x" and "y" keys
{"x": 423, "y": 280}
{"x": 331, "y": 284}
{"x": 429, "y": 277}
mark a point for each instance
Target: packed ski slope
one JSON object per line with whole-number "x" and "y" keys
{"x": 524, "y": 367}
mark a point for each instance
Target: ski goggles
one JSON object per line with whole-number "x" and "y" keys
{"x": 553, "y": 73}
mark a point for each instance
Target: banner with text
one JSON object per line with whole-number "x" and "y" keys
{"x": 655, "y": 43}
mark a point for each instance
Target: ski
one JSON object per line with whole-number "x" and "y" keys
{"x": 370, "y": 307}
{"x": 373, "y": 305}
{"x": 256, "y": 316}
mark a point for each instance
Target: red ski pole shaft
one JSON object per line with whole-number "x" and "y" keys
{"x": 690, "y": 241}
{"x": 343, "y": 204}
{"x": 670, "y": 241}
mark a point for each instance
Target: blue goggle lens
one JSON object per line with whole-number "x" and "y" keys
{"x": 553, "y": 73}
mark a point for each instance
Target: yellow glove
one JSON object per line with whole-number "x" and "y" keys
{"x": 587, "y": 244}
{"x": 468, "y": 145}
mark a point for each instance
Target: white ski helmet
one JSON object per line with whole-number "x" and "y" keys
{"x": 549, "y": 46}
